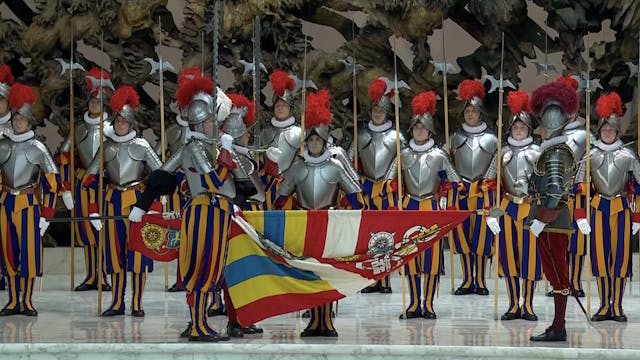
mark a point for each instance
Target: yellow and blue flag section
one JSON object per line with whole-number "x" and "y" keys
{"x": 284, "y": 261}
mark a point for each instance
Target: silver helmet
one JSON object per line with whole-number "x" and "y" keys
{"x": 21, "y": 101}
{"x": 472, "y": 93}
{"x": 283, "y": 86}
{"x": 609, "y": 108}
{"x": 424, "y": 109}
{"x": 123, "y": 103}
{"x": 554, "y": 104}
{"x": 6, "y": 80}
{"x": 380, "y": 94}
{"x": 518, "y": 102}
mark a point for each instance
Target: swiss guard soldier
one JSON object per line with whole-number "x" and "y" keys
{"x": 316, "y": 179}
{"x": 206, "y": 166}
{"x": 422, "y": 162}
{"x": 6, "y": 80}
{"x": 126, "y": 157}
{"x": 87, "y": 142}
{"x": 519, "y": 256}
{"x": 377, "y": 150}
{"x": 550, "y": 214}
{"x": 611, "y": 218}
{"x": 283, "y": 134}
{"x": 473, "y": 148}
{"x": 28, "y": 171}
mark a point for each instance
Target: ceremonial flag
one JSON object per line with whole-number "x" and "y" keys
{"x": 157, "y": 236}
{"x": 284, "y": 261}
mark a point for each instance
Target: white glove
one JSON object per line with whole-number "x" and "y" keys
{"x": 68, "y": 200}
{"x": 136, "y": 214}
{"x": 44, "y": 225}
{"x": 97, "y": 224}
{"x": 536, "y": 227}
{"x": 493, "y": 224}
{"x": 635, "y": 227}
{"x": 163, "y": 200}
{"x": 226, "y": 141}
{"x": 584, "y": 226}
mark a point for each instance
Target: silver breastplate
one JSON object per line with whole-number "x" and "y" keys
{"x": 197, "y": 160}
{"x": 317, "y": 185}
{"x": 609, "y": 170}
{"x": 577, "y": 141}
{"x": 125, "y": 162}
{"x": 517, "y": 165}
{"x": 175, "y": 137}
{"x": 376, "y": 150}
{"x": 286, "y": 139}
{"x": 472, "y": 153}
{"x": 87, "y": 142}
{"x": 22, "y": 162}
{"x": 420, "y": 171}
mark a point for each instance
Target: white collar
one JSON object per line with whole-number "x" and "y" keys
{"x": 123, "y": 138}
{"x": 20, "y": 137}
{"x": 94, "y": 120}
{"x": 283, "y": 123}
{"x": 526, "y": 141}
{"x": 315, "y": 159}
{"x": 380, "y": 128}
{"x": 475, "y": 129}
{"x": 609, "y": 147}
{"x": 181, "y": 122}
{"x": 421, "y": 148}
{"x": 5, "y": 119}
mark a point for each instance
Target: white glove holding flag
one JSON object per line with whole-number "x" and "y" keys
{"x": 584, "y": 226}
{"x": 226, "y": 141}
{"x": 493, "y": 225}
{"x": 97, "y": 224}
{"x": 536, "y": 227}
{"x": 136, "y": 214}
{"x": 68, "y": 200}
{"x": 44, "y": 225}
{"x": 635, "y": 227}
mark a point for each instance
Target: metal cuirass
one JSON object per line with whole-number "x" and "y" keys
{"x": 175, "y": 136}
{"x": 287, "y": 139}
{"x": 473, "y": 152}
{"x": 517, "y": 165}
{"x": 88, "y": 141}
{"x": 5, "y": 128}
{"x": 317, "y": 184}
{"x": 125, "y": 162}
{"x": 420, "y": 171}
{"x": 377, "y": 150}
{"x": 196, "y": 159}
{"x": 576, "y": 140}
{"x": 609, "y": 170}
{"x": 21, "y": 162}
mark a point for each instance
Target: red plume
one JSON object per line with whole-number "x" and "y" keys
{"x": 281, "y": 81}
{"x": 240, "y": 101}
{"x": 468, "y": 89}
{"x": 21, "y": 94}
{"x": 569, "y": 81}
{"x": 95, "y": 73}
{"x": 188, "y": 74}
{"x": 518, "y": 102}
{"x": 377, "y": 89}
{"x": 561, "y": 93}
{"x": 318, "y": 110}
{"x": 423, "y": 103}
{"x": 124, "y": 95}
{"x": 609, "y": 104}
{"x": 189, "y": 88}
{"x": 5, "y": 74}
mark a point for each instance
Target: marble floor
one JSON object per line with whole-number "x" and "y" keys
{"x": 368, "y": 324}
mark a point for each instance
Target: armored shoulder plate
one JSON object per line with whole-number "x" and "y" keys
{"x": 5, "y": 150}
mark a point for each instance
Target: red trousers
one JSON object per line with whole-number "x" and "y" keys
{"x": 553, "y": 254}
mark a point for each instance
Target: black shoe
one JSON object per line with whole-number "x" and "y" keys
{"x": 235, "y": 330}
{"x": 106, "y": 287}
{"x": 306, "y": 314}
{"x": 9, "y": 312}
{"x": 411, "y": 314}
{"x": 29, "y": 312}
{"x": 385, "y": 290}
{"x": 529, "y": 317}
{"x": 186, "y": 332}
{"x": 329, "y": 333}
{"x": 137, "y": 313}
{"x": 174, "y": 288}
{"x": 464, "y": 291}
{"x": 600, "y": 317}
{"x": 252, "y": 329}
{"x": 579, "y": 293}
{"x": 311, "y": 333}
{"x": 86, "y": 287}
{"x": 429, "y": 315}
{"x": 619, "y": 318}
{"x": 550, "y": 335}
{"x": 510, "y": 316}
{"x": 216, "y": 312}
{"x": 204, "y": 338}
{"x": 370, "y": 289}
{"x": 482, "y": 291}
{"x": 550, "y": 293}
{"x": 112, "y": 312}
